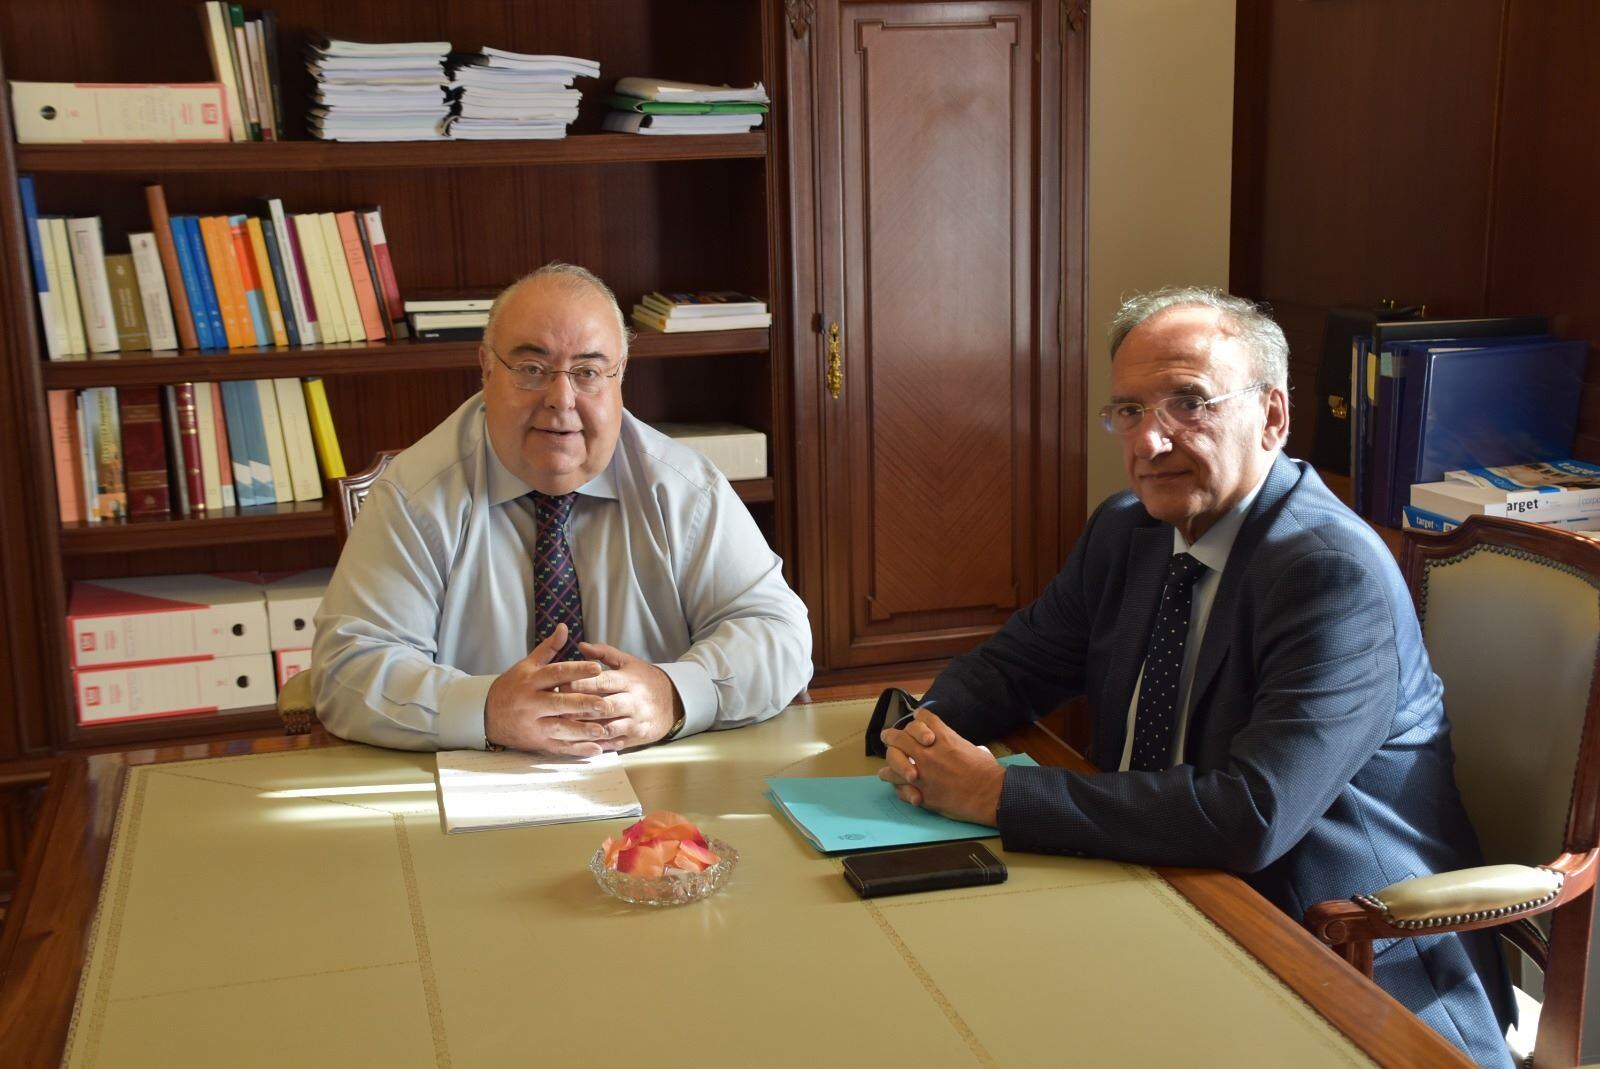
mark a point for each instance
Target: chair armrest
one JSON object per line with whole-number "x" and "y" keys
{"x": 1465, "y": 896}
{"x": 296, "y": 708}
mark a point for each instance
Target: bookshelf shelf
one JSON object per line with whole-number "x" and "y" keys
{"x": 154, "y": 369}
{"x": 279, "y": 156}
{"x": 301, "y": 519}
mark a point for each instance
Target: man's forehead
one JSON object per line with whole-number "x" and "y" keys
{"x": 547, "y": 318}
{"x": 1186, "y": 343}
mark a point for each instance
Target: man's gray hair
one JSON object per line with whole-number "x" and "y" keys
{"x": 570, "y": 275}
{"x": 1239, "y": 318}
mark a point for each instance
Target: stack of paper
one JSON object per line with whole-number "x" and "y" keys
{"x": 838, "y": 813}
{"x": 377, "y": 92}
{"x": 505, "y": 789}
{"x": 658, "y": 106}
{"x": 498, "y": 95}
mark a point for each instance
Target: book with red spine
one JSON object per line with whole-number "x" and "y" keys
{"x": 189, "y": 442}
{"x": 144, "y": 452}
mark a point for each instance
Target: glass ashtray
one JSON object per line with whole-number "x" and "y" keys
{"x": 671, "y": 889}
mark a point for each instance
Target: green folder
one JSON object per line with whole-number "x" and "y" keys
{"x": 622, "y": 102}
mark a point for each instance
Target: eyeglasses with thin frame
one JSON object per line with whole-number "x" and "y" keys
{"x": 1179, "y": 412}
{"x": 588, "y": 379}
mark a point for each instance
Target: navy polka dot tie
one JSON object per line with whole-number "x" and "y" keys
{"x": 1157, "y": 716}
{"x": 556, "y": 599}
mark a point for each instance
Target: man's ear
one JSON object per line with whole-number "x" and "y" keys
{"x": 484, "y": 360}
{"x": 1276, "y": 432}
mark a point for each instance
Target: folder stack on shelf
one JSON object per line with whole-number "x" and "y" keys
{"x": 377, "y": 92}
{"x": 657, "y": 106}
{"x": 497, "y": 95}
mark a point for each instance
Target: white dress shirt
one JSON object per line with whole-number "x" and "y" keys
{"x": 431, "y": 600}
{"x": 1210, "y": 549}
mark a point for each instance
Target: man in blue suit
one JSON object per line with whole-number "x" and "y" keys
{"x": 1261, "y": 697}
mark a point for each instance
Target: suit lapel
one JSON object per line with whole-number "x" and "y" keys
{"x": 1149, "y": 548}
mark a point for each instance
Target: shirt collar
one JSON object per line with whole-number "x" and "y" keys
{"x": 504, "y": 486}
{"x": 1213, "y": 547}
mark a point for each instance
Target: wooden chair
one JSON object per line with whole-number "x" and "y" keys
{"x": 295, "y": 707}
{"x": 1511, "y": 617}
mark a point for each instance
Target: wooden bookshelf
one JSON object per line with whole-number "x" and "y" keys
{"x": 361, "y": 358}
{"x": 278, "y": 156}
{"x": 646, "y": 213}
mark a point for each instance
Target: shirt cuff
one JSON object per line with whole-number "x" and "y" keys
{"x": 461, "y": 713}
{"x": 696, "y": 691}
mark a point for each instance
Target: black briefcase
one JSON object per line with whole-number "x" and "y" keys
{"x": 1334, "y": 423}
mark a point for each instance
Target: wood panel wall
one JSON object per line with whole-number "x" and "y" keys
{"x": 1436, "y": 153}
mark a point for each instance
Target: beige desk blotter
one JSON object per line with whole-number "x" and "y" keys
{"x": 306, "y": 909}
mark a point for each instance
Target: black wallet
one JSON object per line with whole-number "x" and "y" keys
{"x": 923, "y": 868}
{"x": 894, "y": 705}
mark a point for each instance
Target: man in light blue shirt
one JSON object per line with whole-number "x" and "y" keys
{"x": 544, "y": 572}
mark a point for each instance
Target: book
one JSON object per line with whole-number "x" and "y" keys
{"x": 224, "y": 454}
{"x": 70, "y": 303}
{"x": 373, "y": 323}
{"x": 322, "y": 432}
{"x": 448, "y": 320}
{"x": 152, "y": 280}
{"x": 699, "y": 305}
{"x": 180, "y": 485}
{"x": 623, "y": 102}
{"x": 292, "y": 293}
{"x": 325, "y": 295}
{"x": 377, "y": 243}
{"x": 258, "y": 77}
{"x": 1543, "y": 477}
{"x": 738, "y": 452}
{"x": 298, "y": 447}
{"x": 203, "y": 293}
{"x": 272, "y": 429}
{"x": 675, "y": 325}
{"x": 339, "y": 272}
{"x": 111, "y": 487}
{"x": 250, "y": 279}
{"x": 218, "y": 35}
{"x": 225, "y": 278}
{"x": 94, "y": 292}
{"x": 262, "y": 263}
{"x": 48, "y": 289}
{"x": 282, "y": 294}
{"x": 839, "y": 813}
{"x": 665, "y": 89}
{"x": 479, "y": 790}
{"x": 187, "y": 463}
{"x": 177, "y": 279}
{"x": 205, "y": 422}
{"x": 127, "y": 308}
{"x": 448, "y": 333}
{"x": 1458, "y": 500}
{"x": 244, "y": 488}
{"x": 450, "y": 304}
{"x": 241, "y": 64}
{"x": 144, "y": 452}
{"x": 632, "y": 122}
{"x": 73, "y": 113}
{"x": 64, "y": 451}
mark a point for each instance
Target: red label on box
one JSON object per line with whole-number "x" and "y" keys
{"x": 91, "y": 695}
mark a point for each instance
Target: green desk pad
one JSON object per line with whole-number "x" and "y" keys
{"x": 306, "y": 909}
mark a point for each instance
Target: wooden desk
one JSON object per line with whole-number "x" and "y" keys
{"x": 939, "y": 964}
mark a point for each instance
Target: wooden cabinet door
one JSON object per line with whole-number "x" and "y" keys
{"x": 934, "y": 367}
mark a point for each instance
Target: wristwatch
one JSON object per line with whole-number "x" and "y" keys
{"x": 672, "y": 732}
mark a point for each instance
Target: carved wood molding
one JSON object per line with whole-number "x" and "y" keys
{"x": 1074, "y": 13}
{"x": 800, "y": 14}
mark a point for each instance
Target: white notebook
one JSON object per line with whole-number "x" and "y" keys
{"x": 481, "y": 789}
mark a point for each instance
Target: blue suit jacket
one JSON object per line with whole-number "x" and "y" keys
{"x": 1317, "y": 759}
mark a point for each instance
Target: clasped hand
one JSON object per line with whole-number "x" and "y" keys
{"x": 933, "y": 767}
{"x": 611, "y": 701}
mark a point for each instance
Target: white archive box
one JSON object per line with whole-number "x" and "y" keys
{"x": 290, "y": 663}
{"x": 738, "y": 452}
{"x": 292, "y": 600}
{"x": 137, "y": 691}
{"x": 165, "y": 617}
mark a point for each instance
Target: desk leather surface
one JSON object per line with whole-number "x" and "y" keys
{"x": 306, "y": 909}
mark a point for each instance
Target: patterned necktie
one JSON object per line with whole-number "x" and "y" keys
{"x": 1157, "y": 716}
{"x": 556, "y": 599}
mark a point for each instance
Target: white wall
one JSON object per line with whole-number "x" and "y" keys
{"x": 1160, "y": 165}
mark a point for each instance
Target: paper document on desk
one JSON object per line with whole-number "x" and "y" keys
{"x": 839, "y": 813}
{"x": 479, "y": 790}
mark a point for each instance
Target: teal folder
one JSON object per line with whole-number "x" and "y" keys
{"x": 623, "y": 102}
{"x": 839, "y": 813}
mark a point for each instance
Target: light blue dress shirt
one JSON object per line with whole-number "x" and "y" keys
{"x": 431, "y": 598}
